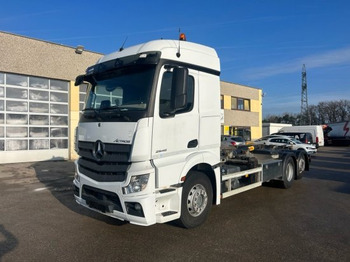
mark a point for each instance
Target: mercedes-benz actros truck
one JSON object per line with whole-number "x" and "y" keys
{"x": 148, "y": 138}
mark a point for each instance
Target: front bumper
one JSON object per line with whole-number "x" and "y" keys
{"x": 108, "y": 198}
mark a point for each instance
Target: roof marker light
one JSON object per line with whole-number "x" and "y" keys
{"x": 182, "y": 37}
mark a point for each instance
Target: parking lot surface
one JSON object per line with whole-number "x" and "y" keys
{"x": 40, "y": 221}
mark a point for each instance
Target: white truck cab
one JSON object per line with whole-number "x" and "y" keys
{"x": 152, "y": 116}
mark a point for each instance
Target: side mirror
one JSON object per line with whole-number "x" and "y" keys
{"x": 79, "y": 80}
{"x": 179, "y": 90}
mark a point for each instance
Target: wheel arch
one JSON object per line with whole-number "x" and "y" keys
{"x": 207, "y": 170}
{"x": 204, "y": 163}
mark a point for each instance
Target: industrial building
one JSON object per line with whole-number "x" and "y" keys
{"x": 39, "y": 104}
{"x": 242, "y": 110}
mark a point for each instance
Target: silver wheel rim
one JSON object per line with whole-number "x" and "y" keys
{"x": 290, "y": 172}
{"x": 197, "y": 200}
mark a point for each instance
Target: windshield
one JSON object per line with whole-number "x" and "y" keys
{"x": 117, "y": 92}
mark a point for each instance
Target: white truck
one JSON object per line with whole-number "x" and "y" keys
{"x": 149, "y": 138}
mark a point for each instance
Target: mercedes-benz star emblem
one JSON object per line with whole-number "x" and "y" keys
{"x": 98, "y": 150}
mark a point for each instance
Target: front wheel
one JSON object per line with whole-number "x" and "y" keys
{"x": 197, "y": 198}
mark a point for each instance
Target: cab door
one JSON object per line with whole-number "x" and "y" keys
{"x": 175, "y": 134}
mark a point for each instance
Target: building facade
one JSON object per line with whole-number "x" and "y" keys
{"x": 242, "y": 111}
{"x": 39, "y": 104}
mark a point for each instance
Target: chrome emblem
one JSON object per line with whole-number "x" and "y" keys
{"x": 99, "y": 150}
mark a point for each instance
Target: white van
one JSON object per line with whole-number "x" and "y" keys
{"x": 316, "y": 132}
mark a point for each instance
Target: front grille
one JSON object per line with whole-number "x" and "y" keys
{"x": 102, "y": 200}
{"x": 111, "y": 167}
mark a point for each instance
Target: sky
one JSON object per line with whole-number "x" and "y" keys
{"x": 262, "y": 44}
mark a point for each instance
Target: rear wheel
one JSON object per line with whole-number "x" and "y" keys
{"x": 301, "y": 165}
{"x": 288, "y": 172}
{"x": 197, "y": 197}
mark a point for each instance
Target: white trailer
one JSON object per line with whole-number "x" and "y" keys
{"x": 337, "y": 133}
{"x": 149, "y": 138}
{"x": 270, "y": 128}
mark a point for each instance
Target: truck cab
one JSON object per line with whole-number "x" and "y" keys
{"x": 151, "y": 121}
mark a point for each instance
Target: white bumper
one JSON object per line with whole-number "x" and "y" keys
{"x": 109, "y": 199}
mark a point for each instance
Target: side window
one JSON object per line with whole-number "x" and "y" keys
{"x": 165, "y": 95}
{"x": 277, "y": 140}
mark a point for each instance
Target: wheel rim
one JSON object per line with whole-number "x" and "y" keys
{"x": 290, "y": 172}
{"x": 301, "y": 165}
{"x": 197, "y": 200}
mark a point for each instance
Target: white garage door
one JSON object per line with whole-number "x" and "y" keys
{"x": 33, "y": 118}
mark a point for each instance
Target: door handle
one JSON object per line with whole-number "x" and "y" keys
{"x": 192, "y": 144}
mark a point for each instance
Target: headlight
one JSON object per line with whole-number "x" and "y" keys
{"x": 137, "y": 184}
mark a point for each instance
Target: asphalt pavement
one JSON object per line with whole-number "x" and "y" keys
{"x": 40, "y": 221}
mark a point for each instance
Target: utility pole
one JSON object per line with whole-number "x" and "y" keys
{"x": 304, "y": 112}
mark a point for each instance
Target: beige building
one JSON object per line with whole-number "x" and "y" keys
{"x": 242, "y": 110}
{"x": 39, "y": 104}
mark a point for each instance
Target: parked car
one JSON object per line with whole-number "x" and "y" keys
{"x": 227, "y": 141}
{"x": 304, "y": 137}
{"x": 286, "y": 141}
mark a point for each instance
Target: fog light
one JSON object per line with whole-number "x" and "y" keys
{"x": 134, "y": 209}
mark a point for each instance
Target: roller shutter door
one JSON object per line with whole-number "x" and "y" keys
{"x": 34, "y": 120}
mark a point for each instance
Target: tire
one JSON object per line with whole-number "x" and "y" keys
{"x": 196, "y": 202}
{"x": 288, "y": 172}
{"x": 301, "y": 162}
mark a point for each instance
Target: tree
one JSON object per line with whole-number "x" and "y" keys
{"x": 322, "y": 113}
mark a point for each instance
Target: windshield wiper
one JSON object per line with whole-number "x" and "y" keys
{"x": 114, "y": 111}
{"x": 90, "y": 112}
{"x": 113, "y": 108}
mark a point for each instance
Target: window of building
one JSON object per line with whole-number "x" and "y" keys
{"x": 222, "y": 101}
{"x": 33, "y": 113}
{"x": 2, "y": 116}
{"x": 247, "y": 104}
{"x": 82, "y": 94}
{"x": 240, "y": 104}
{"x": 233, "y": 103}
{"x": 242, "y": 131}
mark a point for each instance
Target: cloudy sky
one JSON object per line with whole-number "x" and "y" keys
{"x": 262, "y": 44}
